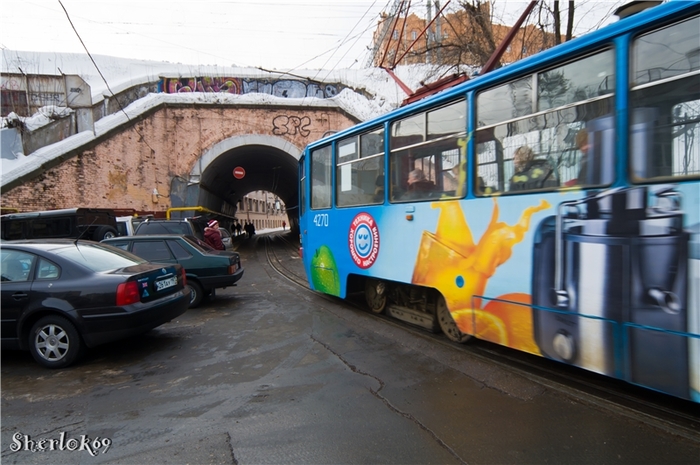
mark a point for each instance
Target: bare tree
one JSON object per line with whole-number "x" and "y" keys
{"x": 471, "y": 33}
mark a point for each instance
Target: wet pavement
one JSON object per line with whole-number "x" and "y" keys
{"x": 270, "y": 373}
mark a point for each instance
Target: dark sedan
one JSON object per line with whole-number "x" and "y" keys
{"x": 207, "y": 269}
{"x": 61, "y": 295}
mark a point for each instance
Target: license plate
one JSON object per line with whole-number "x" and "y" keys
{"x": 166, "y": 283}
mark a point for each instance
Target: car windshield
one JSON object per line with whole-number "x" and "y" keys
{"x": 99, "y": 257}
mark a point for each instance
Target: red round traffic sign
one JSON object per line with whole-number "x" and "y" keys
{"x": 238, "y": 172}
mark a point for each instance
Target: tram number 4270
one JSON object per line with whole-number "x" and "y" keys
{"x": 321, "y": 219}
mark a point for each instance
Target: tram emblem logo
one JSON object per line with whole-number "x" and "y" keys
{"x": 363, "y": 240}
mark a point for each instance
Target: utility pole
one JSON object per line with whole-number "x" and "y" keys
{"x": 438, "y": 33}
{"x": 431, "y": 36}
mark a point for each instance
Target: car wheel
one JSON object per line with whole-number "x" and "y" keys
{"x": 447, "y": 323}
{"x": 196, "y": 294}
{"x": 104, "y": 232}
{"x": 54, "y": 342}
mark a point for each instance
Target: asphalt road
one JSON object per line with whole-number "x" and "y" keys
{"x": 270, "y": 373}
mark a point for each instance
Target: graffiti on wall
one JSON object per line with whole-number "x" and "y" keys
{"x": 291, "y": 125}
{"x": 26, "y": 94}
{"x": 285, "y": 88}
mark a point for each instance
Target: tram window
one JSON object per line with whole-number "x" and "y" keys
{"x": 505, "y": 102}
{"x": 567, "y": 141}
{"x": 372, "y": 143}
{"x": 573, "y": 82}
{"x": 348, "y": 150}
{"x": 321, "y": 170}
{"x": 447, "y": 120}
{"x": 408, "y": 131}
{"x": 360, "y": 170}
{"x": 666, "y": 53}
{"x": 665, "y": 98}
{"x": 431, "y": 170}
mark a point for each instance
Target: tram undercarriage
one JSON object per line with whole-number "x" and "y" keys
{"x": 418, "y": 305}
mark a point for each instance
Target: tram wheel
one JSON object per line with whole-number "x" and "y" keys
{"x": 447, "y": 323}
{"x": 375, "y": 295}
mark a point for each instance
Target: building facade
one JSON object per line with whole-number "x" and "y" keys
{"x": 453, "y": 38}
{"x": 264, "y": 209}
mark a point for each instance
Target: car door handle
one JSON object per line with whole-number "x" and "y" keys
{"x": 19, "y": 295}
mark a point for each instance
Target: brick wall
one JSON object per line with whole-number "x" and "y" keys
{"x": 122, "y": 169}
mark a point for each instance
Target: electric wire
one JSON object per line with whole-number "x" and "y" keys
{"x": 99, "y": 71}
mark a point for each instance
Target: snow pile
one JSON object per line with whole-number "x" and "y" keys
{"x": 41, "y": 118}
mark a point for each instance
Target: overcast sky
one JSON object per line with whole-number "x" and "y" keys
{"x": 273, "y": 34}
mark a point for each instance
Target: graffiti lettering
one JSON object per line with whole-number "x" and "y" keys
{"x": 284, "y": 88}
{"x": 46, "y": 98}
{"x": 11, "y": 84}
{"x": 291, "y": 125}
{"x": 227, "y": 85}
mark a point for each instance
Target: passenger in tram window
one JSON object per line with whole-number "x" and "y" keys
{"x": 417, "y": 182}
{"x": 531, "y": 173}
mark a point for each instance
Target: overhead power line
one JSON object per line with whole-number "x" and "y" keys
{"x": 103, "y": 77}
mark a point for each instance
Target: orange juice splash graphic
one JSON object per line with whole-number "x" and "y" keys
{"x": 451, "y": 262}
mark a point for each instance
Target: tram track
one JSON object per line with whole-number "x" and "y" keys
{"x": 277, "y": 263}
{"x": 668, "y": 413}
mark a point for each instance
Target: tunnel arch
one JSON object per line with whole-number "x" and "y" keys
{"x": 270, "y": 164}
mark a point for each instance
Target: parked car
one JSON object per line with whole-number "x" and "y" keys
{"x": 126, "y": 225}
{"x": 207, "y": 269}
{"x": 77, "y": 223}
{"x": 226, "y": 238}
{"x": 60, "y": 296}
{"x": 188, "y": 226}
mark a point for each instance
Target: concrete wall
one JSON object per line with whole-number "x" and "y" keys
{"x": 122, "y": 169}
{"x": 49, "y": 134}
{"x": 82, "y": 119}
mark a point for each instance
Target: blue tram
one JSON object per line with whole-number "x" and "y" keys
{"x": 551, "y": 206}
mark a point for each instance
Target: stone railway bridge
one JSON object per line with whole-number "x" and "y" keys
{"x": 175, "y": 153}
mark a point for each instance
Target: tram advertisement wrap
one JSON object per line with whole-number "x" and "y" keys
{"x": 450, "y": 260}
{"x": 611, "y": 289}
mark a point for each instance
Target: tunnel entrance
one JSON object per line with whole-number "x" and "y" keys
{"x": 260, "y": 162}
